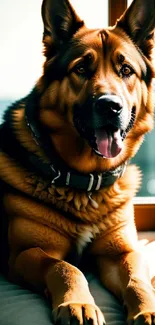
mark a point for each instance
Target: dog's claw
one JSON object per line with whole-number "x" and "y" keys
{"x": 143, "y": 319}
{"x": 78, "y": 314}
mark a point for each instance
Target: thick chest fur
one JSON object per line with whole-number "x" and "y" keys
{"x": 43, "y": 214}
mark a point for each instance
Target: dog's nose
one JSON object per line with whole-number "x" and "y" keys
{"x": 108, "y": 104}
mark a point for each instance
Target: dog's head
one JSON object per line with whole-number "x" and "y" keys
{"x": 96, "y": 102}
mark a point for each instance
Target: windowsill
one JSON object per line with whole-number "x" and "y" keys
{"x": 144, "y": 208}
{"x": 144, "y": 200}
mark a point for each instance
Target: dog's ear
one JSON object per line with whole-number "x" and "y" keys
{"x": 139, "y": 22}
{"x": 60, "y": 21}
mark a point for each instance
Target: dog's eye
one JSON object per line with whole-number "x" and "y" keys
{"x": 80, "y": 69}
{"x": 126, "y": 70}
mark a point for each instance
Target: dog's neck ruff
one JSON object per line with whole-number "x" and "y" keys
{"x": 62, "y": 177}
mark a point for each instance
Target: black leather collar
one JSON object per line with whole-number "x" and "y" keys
{"x": 88, "y": 182}
{"x": 64, "y": 176}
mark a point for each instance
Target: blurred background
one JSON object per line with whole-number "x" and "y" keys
{"x": 21, "y": 61}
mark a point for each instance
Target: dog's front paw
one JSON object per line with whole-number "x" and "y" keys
{"x": 79, "y": 314}
{"x": 146, "y": 318}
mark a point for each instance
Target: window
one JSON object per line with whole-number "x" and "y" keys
{"x": 21, "y": 48}
{"x": 21, "y": 60}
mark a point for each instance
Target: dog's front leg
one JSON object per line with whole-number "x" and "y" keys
{"x": 127, "y": 277}
{"x": 64, "y": 284}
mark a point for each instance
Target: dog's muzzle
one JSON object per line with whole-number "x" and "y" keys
{"x": 103, "y": 123}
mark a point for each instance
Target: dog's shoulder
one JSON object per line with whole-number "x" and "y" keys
{"x": 7, "y": 134}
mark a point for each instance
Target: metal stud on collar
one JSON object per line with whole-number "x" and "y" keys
{"x": 98, "y": 182}
{"x": 68, "y": 178}
{"x": 91, "y": 182}
{"x": 57, "y": 176}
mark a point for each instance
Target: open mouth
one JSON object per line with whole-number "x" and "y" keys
{"x": 106, "y": 141}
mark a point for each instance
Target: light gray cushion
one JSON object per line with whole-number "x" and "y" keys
{"x": 19, "y": 306}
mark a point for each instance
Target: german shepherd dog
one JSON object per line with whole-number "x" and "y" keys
{"x": 65, "y": 185}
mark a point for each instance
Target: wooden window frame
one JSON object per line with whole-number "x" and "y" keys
{"x": 144, "y": 207}
{"x": 144, "y": 213}
{"x": 116, "y": 8}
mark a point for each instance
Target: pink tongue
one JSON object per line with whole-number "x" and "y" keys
{"x": 108, "y": 144}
